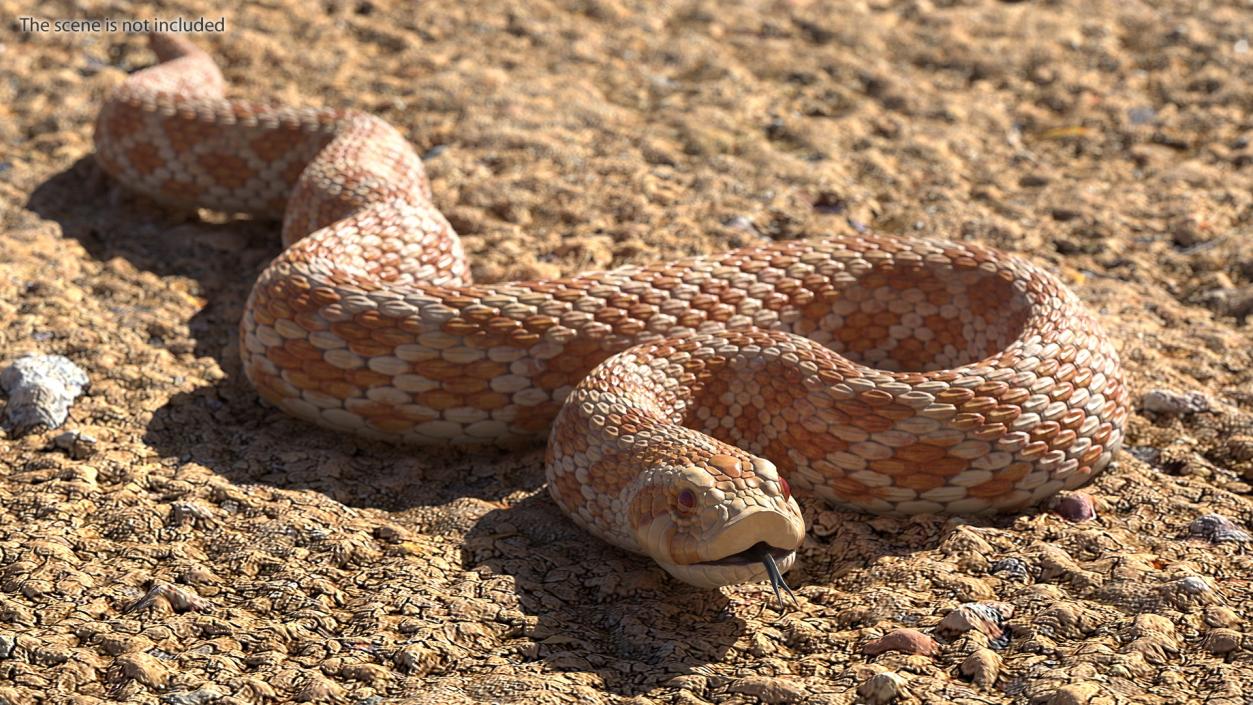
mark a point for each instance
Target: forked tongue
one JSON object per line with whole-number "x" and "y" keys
{"x": 762, "y": 551}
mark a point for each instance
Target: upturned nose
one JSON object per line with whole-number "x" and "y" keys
{"x": 778, "y": 528}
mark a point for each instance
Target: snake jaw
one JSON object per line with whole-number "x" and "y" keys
{"x": 733, "y": 550}
{"x": 732, "y": 570}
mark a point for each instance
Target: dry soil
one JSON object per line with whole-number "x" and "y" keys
{"x": 1108, "y": 141}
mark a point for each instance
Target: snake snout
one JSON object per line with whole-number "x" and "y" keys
{"x": 732, "y": 551}
{"x": 779, "y": 528}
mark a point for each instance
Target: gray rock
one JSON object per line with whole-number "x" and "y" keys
{"x": 207, "y": 694}
{"x": 41, "y": 389}
{"x": 1217, "y": 528}
{"x": 78, "y": 444}
{"x": 1165, "y": 401}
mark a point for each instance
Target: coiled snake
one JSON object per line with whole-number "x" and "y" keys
{"x": 687, "y": 399}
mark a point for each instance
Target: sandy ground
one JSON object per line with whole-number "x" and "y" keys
{"x": 1109, "y": 141}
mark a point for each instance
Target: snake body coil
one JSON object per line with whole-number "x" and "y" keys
{"x": 686, "y": 399}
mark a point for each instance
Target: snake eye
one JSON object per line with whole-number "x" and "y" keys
{"x": 785, "y": 487}
{"x": 687, "y": 499}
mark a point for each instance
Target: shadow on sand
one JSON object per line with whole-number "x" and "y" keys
{"x": 598, "y": 609}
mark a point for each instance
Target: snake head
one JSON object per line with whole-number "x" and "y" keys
{"x": 710, "y": 521}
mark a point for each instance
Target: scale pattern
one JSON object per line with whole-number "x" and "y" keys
{"x": 894, "y": 375}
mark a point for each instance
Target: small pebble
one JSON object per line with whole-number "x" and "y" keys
{"x": 180, "y": 599}
{"x": 41, "y": 389}
{"x": 907, "y": 641}
{"x": 769, "y": 689}
{"x": 1234, "y": 302}
{"x": 1141, "y": 114}
{"x": 986, "y": 617}
{"x": 1240, "y": 448}
{"x": 7, "y": 644}
{"x": 1010, "y": 569}
{"x": 145, "y": 668}
{"x": 830, "y": 203}
{"x": 693, "y": 682}
{"x": 79, "y": 445}
{"x": 740, "y": 222}
{"x": 416, "y": 660}
{"x": 1217, "y": 528}
{"x": 1220, "y": 616}
{"x": 1155, "y": 648}
{"x": 1149, "y": 623}
{"x": 1155, "y": 639}
{"x": 1193, "y": 585}
{"x": 319, "y": 689}
{"x": 883, "y": 688}
{"x": 1222, "y": 641}
{"x": 1074, "y": 694}
{"x": 982, "y": 667}
{"x": 1164, "y": 401}
{"x": 1147, "y": 454}
{"x": 1075, "y": 507}
{"x": 207, "y": 694}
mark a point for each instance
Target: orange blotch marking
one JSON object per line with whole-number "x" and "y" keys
{"x": 990, "y": 432}
{"x": 144, "y": 157}
{"x": 302, "y": 349}
{"x": 538, "y": 417}
{"x": 847, "y": 488}
{"x": 488, "y": 401}
{"x": 350, "y": 331}
{"x": 920, "y": 453}
{"x": 227, "y": 170}
{"x": 1065, "y": 439}
{"x": 991, "y": 488}
{"x": 551, "y": 379}
{"x": 872, "y": 423}
{"x": 391, "y": 424}
{"x": 368, "y": 408}
{"x": 967, "y": 422}
{"x": 278, "y": 308}
{"x": 439, "y": 370}
{"x": 340, "y": 389}
{"x": 260, "y": 314}
{"x": 181, "y": 191}
{"x": 440, "y": 400}
{"x": 892, "y": 466}
{"x": 320, "y": 370}
{"x": 465, "y": 385}
{"x": 946, "y": 467}
{"x": 486, "y": 369}
{"x": 322, "y": 296}
{"x": 1014, "y": 472}
{"x": 920, "y": 482}
{"x": 309, "y": 321}
{"x": 275, "y": 144}
{"x": 896, "y": 412}
{"x": 367, "y": 378}
{"x": 299, "y": 379}
{"x": 1090, "y": 455}
{"x": 369, "y": 348}
{"x": 392, "y": 337}
{"x": 460, "y": 326}
{"x": 374, "y": 320}
{"x": 282, "y": 358}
